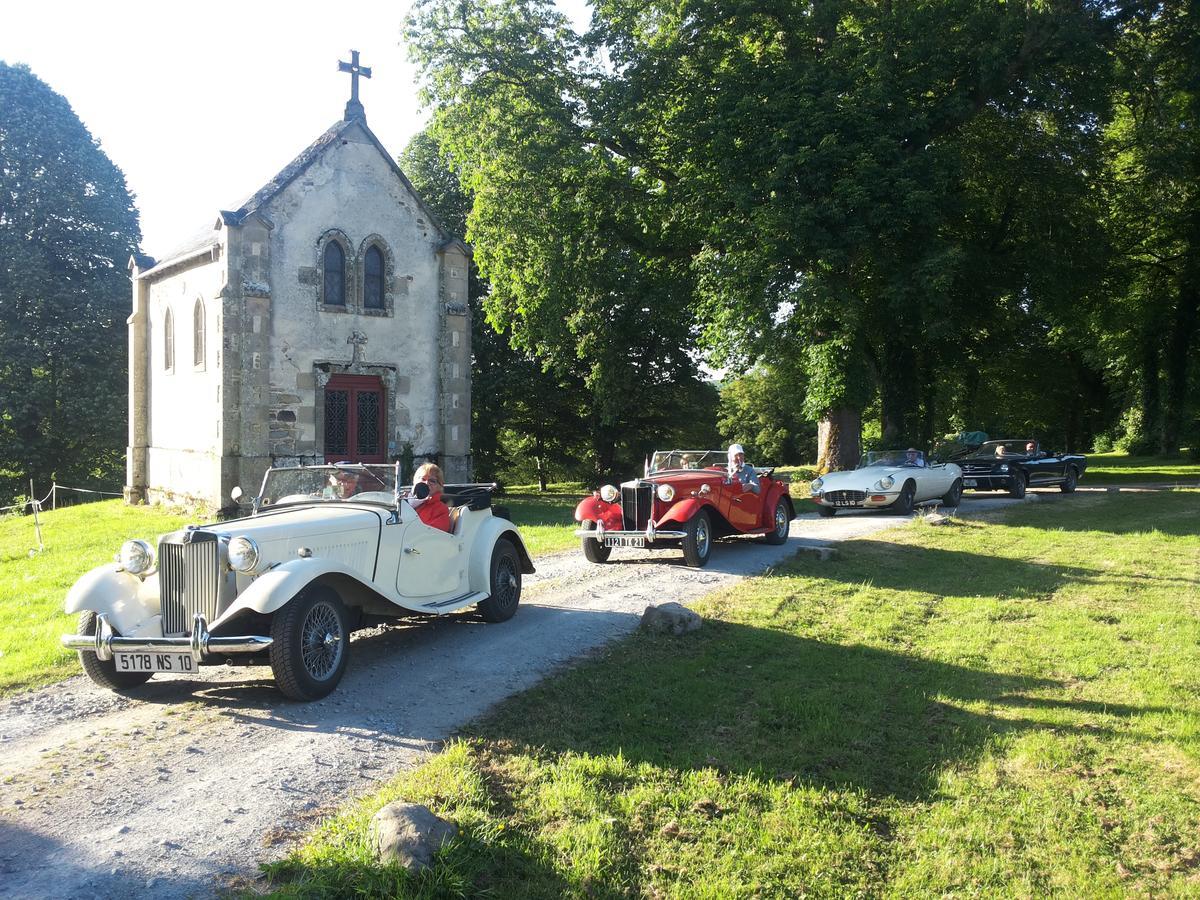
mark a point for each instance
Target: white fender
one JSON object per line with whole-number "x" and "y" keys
{"x": 491, "y": 529}
{"x": 272, "y": 590}
{"x": 127, "y": 600}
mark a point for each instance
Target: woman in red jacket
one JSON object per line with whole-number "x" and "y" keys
{"x": 433, "y": 509}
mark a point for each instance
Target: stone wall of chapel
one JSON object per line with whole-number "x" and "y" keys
{"x": 351, "y": 190}
{"x": 183, "y": 457}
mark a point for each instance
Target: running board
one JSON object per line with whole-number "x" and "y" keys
{"x": 463, "y": 600}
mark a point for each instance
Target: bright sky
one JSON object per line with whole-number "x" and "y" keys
{"x": 201, "y": 104}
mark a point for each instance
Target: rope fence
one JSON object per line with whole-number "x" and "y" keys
{"x": 52, "y": 498}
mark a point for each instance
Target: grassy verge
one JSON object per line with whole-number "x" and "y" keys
{"x": 1119, "y": 468}
{"x": 34, "y": 585}
{"x": 1006, "y": 708}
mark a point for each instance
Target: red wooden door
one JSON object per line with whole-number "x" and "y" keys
{"x": 355, "y": 423}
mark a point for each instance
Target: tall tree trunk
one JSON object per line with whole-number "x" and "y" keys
{"x": 898, "y": 394}
{"x": 1150, "y": 397}
{"x": 1179, "y": 347}
{"x": 839, "y": 440}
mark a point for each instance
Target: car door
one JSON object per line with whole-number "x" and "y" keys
{"x": 431, "y": 562}
{"x": 933, "y": 481}
{"x": 745, "y": 507}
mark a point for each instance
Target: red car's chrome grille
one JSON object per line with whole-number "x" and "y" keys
{"x": 637, "y": 505}
{"x": 188, "y": 576}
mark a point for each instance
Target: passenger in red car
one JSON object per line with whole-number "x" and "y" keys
{"x": 432, "y": 510}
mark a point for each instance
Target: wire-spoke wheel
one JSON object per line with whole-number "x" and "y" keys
{"x": 310, "y": 644}
{"x": 505, "y": 584}
{"x": 783, "y": 518}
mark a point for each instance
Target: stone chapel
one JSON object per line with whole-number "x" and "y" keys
{"x": 324, "y": 319}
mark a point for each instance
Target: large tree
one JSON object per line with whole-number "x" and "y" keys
{"x": 67, "y": 227}
{"x": 793, "y": 172}
{"x": 1154, "y": 165}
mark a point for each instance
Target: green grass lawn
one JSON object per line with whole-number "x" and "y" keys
{"x": 1120, "y": 468}
{"x": 34, "y": 586}
{"x": 1003, "y": 708}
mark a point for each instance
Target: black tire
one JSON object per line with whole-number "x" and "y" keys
{"x": 697, "y": 539}
{"x": 104, "y": 672}
{"x": 903, "y": 505}
{"x": 593, "y": 550}
{"x": 504, "y": 585}
{"x": 826, "y": 512}
{"x": 1068, "y": 485}
{"x": 953, "y": 497}
{"x": 1018, "y": 484}
{"x": 783, "y": 519}
{"x": 310, "y": 644}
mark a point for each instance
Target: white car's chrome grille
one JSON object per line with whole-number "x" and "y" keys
{"x": 188, "y": 579}
{"x": 836, "y": 496}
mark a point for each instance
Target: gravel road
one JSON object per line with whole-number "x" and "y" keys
{"x": 182, "y": 789}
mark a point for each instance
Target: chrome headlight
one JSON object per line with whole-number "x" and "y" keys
{"x": 886, "y": 482}
{"x": 666, "y": 493}
{"x": 243, "y": 555}
{"x": 608, "y": 493}
{"x": 816, "y": 485}
{"x": 136, "y": 557}
{"x": 1004, "y": 468}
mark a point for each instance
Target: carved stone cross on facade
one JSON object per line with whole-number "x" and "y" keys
{"x": 359, "y": 340}
{"x": 354, "y": 109}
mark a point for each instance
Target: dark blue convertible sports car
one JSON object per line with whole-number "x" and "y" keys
{"x": 1016, "y": 465}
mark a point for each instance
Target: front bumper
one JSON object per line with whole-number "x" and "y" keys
{"x": 200, "y": 644}
{"x": 986, "y": 482}
{"x": 874, "y": 500}
{"x": 651, "y": 534}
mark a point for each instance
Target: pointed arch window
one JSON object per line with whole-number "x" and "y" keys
{"x": 198, "y": 334}
{"x": 169, "y": 341}
{"x": 373, "y": 279}
{"x": 334, "y": 275}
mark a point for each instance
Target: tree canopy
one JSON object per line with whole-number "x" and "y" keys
{"x": 905, "y": 195}
{"x": 67, "y": 228}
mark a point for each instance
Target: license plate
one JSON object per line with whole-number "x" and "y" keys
{"x": 625, "y": 540}
{"x": 968, "y": 482}
{"x": 153, "y": 662}
{"x": 845, "y": 503}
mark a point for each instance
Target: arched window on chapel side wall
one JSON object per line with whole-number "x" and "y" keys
{"x": 198, "y": 334}
{"x": 373, "y": 279}
{"x": 169, "y": 341}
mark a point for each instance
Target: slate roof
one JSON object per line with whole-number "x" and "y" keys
{"x": 204, "y": 240}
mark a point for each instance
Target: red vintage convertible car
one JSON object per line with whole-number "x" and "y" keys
{"x": 686, "y": 499}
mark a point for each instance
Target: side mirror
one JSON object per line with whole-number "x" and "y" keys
{"x": 236, "y": 494}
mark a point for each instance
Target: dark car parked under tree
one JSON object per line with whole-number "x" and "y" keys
{"x": 1015, "y": 465}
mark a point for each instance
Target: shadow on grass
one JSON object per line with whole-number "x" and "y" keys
{"x": 754, "y": 700}
{"x": 1167, "y": 512}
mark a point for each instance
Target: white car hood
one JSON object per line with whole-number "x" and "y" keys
{"x": 347, "y": 533}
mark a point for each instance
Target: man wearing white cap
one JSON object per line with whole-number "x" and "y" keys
{"x": 740, "y": 470}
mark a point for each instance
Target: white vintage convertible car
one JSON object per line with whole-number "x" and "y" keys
{"x": 897, "y": 479}
{"x": 327, "y": 550}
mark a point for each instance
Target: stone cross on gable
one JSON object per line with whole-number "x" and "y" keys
{"x": 354, "y": 109}
{"x": 359, "y": 340}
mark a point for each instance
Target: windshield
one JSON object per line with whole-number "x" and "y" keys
{"x": 311, "y": 484}
{"x": 892, "y": 458}
{"x": 687, "y": 459}
{"x": 1007, "y": 448}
